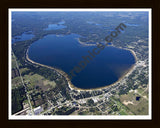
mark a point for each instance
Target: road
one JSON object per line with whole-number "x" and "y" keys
{"x": 27, "y": 94}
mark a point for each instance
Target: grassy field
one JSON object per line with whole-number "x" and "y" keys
{"x": 40, "y": 81}
{"x": 23, "y": 70}
{"x": 16, "y": 82}
{"x": 122, "y": 112}
{"x": 138, "y": 107}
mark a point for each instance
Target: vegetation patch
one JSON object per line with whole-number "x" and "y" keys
{"x": 138, "y": 107}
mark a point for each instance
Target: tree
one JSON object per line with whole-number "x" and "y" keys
{"x": 90, "y": 102}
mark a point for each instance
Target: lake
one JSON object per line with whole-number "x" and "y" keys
{"x": 23, "y": 37}
{"x": 65, "y": 52}
{"x": 59, "y": 25}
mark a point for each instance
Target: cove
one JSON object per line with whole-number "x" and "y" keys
{"x": 64, "y": 52}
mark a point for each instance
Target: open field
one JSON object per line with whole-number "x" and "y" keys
{"x": 37, "y": 81}
{"x": 137, "y": 106}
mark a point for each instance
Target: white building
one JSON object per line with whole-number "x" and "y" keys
{"x": 38, "y": 110}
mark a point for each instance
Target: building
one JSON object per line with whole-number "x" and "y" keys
{"x": 38, "y": 110}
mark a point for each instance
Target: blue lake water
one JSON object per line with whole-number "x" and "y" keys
{"x": 57, "y": 26}
{"x": 93, "y": 23}
{"x": 23, "y": 37}
{"x": 133, "y": 25}
{"x": 65, "y": 52}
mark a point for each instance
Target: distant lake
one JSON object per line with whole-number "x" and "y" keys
{"x": 93, "y": 23}
{"x": 57, "y": 26}
{"x": 133, "y": 25}
{"x": 23, "y": 37}
{"x": 65, "y": 52}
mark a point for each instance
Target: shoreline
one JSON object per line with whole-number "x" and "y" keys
{"x": 57, "y": 70}
{"x": 83, "y": 43}
{"x": 73, "y": 87}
